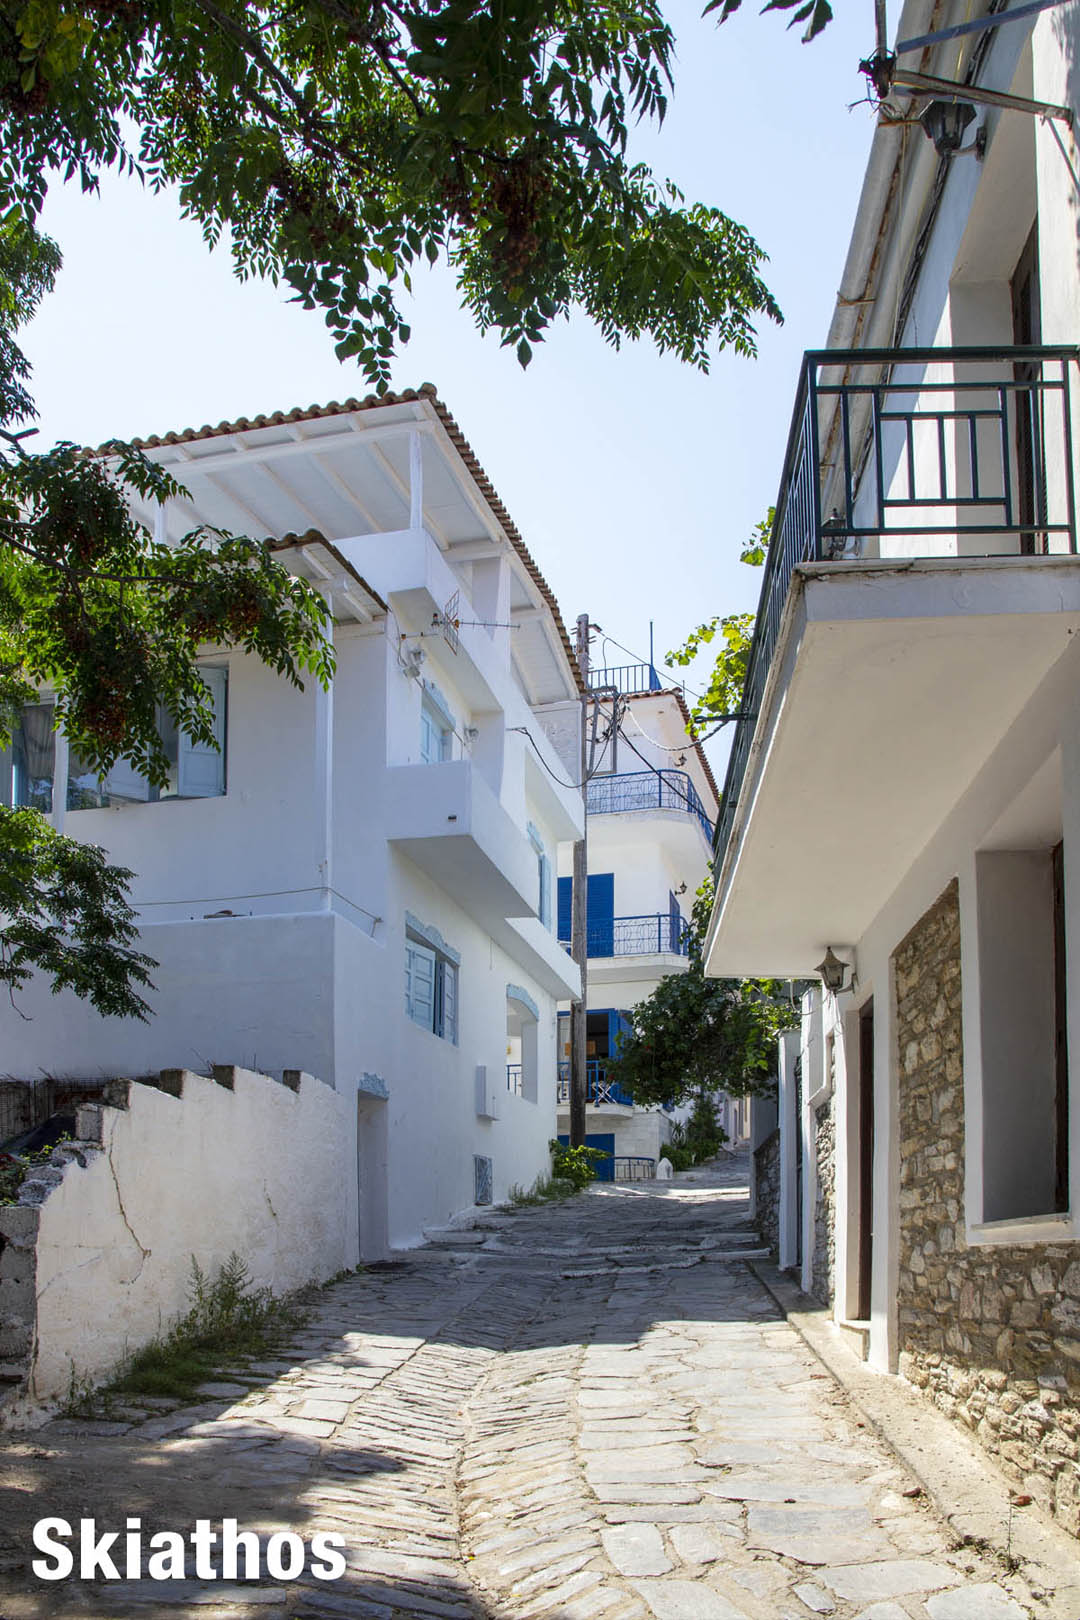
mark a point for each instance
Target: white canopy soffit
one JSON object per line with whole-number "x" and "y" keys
{"x": 380, "y": 465}
{"x": 890, "y": 686}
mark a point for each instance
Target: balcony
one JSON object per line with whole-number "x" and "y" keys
{"x": 600, "y": 1092}
{"x": 920, "y": 582}
{"x": 625, "y": 679}
{"x": 647, "y": 790}
{"x": 659, "y": 933}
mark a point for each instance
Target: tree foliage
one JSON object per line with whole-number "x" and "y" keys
{"x": 339, "y": 143}
{"x": 694, "y": 1035}
{"x": 336, "y": 145}
{"x": 109, "y": 623}
{"x": 722, "y": 697}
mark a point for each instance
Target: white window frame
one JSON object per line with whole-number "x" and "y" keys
{"x": 437, "y": 727}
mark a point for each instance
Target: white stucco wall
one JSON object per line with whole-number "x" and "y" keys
{"x": 252, "y": 1167}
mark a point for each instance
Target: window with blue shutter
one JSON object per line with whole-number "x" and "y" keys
{"x": 566, "y": 901}
{"x": 601, "y": 913}
{"x": 431, "y": 989}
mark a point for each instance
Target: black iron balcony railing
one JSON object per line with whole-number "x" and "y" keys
{"x": 598, "y": 1088}
{"x": 647, "y": 790}
{"x": 906, "y": 453}
{"x": 658, "y": 933}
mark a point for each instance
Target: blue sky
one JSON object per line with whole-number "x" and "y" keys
{"x": 633, "y": 478}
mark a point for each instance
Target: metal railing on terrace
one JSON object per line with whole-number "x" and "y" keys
{"x": 647, "y": 790}
{"x": 626, "y": 677}
{"x": 655, "y": 933}
{"x": 912, "y": 453}
{"x": 598, "y": 1088}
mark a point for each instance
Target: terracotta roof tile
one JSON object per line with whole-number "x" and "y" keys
{"x": 370, "y": 402}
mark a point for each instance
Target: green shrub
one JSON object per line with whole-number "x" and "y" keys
{"x": 544, "y": 1190}
{"x": 227, "y": 1320}
{"x": 575, "y": 1164}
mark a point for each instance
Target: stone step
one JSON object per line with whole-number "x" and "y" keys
{"x": 856, "y": 1335}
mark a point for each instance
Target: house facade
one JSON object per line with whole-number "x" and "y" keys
{"x": 906, "y": 791}
{"x": 651, "y": 809}
{"x": 360, "y": 884}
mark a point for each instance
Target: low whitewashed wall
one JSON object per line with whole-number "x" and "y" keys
{"x": 95, "y": 1258}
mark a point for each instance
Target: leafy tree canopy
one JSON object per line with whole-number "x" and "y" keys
{"x": 109, "y": 623}
{"x": 336, "y": 144}
{"x": 341, "y": 142}
{"x": 695, "y": 1035}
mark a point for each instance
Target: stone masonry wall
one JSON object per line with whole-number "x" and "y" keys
{"x": 991, "y": 1334}
{"x": 767, "y": 1190}
{"x": 823, "y": 1261}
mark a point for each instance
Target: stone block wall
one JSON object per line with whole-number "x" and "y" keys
{"x": 991, "y": 1334}
{"x": 95, "y": 1256}
{"x": 767, "y": 1190}
{"x": 823, "y": 1260}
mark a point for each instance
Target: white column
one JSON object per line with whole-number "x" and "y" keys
{"x": 324, "y": 785}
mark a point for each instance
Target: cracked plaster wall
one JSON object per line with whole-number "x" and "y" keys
{"x": 96, "y": 1257}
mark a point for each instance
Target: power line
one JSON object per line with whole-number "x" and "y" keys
{"x": 648, "y": 662}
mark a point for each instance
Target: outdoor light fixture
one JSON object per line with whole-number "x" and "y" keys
{"x": 832, "y": 971}
{"x": 944, "y": 122}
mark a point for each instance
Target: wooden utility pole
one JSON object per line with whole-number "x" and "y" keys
{"x": 579, "y": 930}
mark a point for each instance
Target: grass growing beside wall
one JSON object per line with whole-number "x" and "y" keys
{"x": 544, "y": 1190}
{"x": 228, "y": 1321}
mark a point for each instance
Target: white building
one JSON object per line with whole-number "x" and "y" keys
{"x": 652, "y": 806}
{"x": 909, "y": 793}
{"x": 361, "y": 884}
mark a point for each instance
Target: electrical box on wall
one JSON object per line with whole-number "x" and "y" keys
{"x": 487, "y": 1096}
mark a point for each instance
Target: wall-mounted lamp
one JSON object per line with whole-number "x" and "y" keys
{"x": 832, "y": 971}
{"x": 681, "y": 889}
{"x": 471, "y": 733}
{"x": 944, "y": 123}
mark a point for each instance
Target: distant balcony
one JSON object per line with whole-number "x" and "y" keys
{"x": 626, "y": 678}
{"x": 901, "y": 454}
{"x": 647, "y": 790}
{"x": 656, "y": 934}
{"x": 599, "y": 1090}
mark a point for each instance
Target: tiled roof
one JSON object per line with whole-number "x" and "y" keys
{"x": 370, "y": 402}
{"x": 312, "y": 537}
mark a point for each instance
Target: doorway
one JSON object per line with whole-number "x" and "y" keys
{"x": 371, "y": 1176}
{"x": 866, "y": 1159}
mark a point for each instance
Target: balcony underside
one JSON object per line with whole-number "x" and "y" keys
{"x": 889, "y": 686}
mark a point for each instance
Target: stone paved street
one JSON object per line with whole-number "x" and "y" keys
{"x": 591, "y": 1411}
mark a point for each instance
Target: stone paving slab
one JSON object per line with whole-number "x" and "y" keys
{"x": 649, "y": 1441}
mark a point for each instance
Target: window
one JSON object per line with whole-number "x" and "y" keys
{"x": 431, "y": 983}
{"x": 1021, "y": 945}
{"x": 33, "y": 758}
{"x": 543, "y": 876}
{"x": 436, "y": 727}
{"x": 196, "y": 770}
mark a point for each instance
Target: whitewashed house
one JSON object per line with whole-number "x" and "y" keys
{"x": 360, "y": 884}
{"x": 907, "y": 791}
{"x": 652, "y": 805}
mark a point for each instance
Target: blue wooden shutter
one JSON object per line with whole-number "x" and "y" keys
{"x": 566, "y": 900}
{"x": 601, "y": 913}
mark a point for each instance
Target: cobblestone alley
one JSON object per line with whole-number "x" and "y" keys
{"x": 592, "y": 1411}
